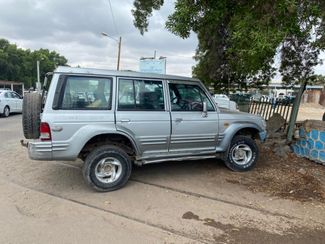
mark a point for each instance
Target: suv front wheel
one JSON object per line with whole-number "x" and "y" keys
{"x": 107, "y": 168}
{"x": 242, "y": 154}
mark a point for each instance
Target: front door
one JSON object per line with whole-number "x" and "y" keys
{"x": 141, "y": 112}
{"x": 192, "y": 130}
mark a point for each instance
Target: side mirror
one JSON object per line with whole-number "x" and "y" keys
{"x": 205, "y": 110}
{"x": 205, "y": 107}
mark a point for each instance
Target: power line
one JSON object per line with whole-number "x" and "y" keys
{"x": 114, "y": 23}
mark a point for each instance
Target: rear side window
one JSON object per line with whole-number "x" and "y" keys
{"x": 86, "y": 93}
{"x": 140, "y": 95}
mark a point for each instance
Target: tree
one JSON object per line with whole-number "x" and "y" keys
{"x": 238, "y": 39}
{"x": 18, "y": 64}
{"x": 319, "y": 80}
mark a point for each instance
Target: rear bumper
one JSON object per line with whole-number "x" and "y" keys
{"x": 44, "y": 150}
{"x": 40, "y": 150}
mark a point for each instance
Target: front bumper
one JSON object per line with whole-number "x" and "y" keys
{"x": 262, "y": 135}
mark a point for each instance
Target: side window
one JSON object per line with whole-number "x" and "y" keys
{"x": 186, "y": 97}
{"x": 15, "y": 95}
{"x": 86, "y": 93}
{"x": 140, "y": 95}
{"x": 10, "y": 95}
{"x": 7, "y": 95}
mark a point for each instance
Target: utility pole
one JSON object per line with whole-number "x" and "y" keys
{"x": 38, "y": 84}
{"x": 119, "y": 41}
{"x": 295, "y": 110}
{"x": 119, "y": 53}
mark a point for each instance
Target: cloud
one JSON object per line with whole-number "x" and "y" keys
{"x": 73, "y": 29}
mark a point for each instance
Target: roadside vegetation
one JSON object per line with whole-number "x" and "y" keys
{"x": 243, "y": 43}
{"x": 18, "y": 64}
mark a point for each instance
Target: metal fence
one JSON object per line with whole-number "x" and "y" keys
{"x": 267, "y": 107}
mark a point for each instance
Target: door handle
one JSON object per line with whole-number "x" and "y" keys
{"x": 204, "y": 114}
{"x": 178, "y": 120}
{"x": 125, "y": 120}
{"x": 57, "y": 128}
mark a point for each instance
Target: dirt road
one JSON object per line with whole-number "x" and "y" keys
{"x": 310, "y": 111}
{"x": 189, "y": 202}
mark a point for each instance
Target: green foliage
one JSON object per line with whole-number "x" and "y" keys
{"x": 17, "y": 64}
{"x": 299, "y": 56}
{"x": 318, "y": 80}
{"x": 239, "y": 39}
{"x": 143, "y": 10}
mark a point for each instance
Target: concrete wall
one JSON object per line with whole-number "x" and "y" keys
{"x": 13, "y": 85}
{"x": 314, "y": 96}
{"x": 322, "y": 98}
{"x": 311, "y": 142}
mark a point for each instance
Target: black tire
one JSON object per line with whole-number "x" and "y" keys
{"x": 6, "y": 111}
{"x": 92, "y": 163}
{"x": 32, "y": 108}
{"x": 242, "y": 142}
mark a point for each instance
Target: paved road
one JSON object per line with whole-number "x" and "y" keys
{"x": 189, "y": 202}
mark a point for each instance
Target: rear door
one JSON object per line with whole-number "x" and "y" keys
{"x": 141, "y": 112}
{"x": 11, "y": 101}
{"x": 18, "y": 101}
{"x": 192, "y": 130}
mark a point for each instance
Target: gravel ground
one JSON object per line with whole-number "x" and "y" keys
{"x": 292, "y": 178}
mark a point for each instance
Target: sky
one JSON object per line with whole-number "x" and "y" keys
{"x": 73, "y": 29}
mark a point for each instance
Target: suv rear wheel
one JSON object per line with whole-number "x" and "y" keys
{"x": 242, "y": 154}
{"x": 107, "y": 168}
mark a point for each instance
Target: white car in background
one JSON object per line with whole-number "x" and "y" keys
{"x": 10, "y": 102}
{"x": 223, "y": 101}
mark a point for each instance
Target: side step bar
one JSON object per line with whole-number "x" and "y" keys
{"x": 151, "y": 161}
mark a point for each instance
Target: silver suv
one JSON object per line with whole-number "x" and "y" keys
{"x": 112, "y": 120}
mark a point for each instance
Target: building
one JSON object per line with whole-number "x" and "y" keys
{"x": 153, "y": 65}
{"x": 13, "y": 85}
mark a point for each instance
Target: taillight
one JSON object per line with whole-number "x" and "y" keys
{"x": 45, "y": 132}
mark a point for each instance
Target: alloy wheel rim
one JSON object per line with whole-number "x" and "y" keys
{"x": 108, "y": 170}
{"x": 242, "y": 154}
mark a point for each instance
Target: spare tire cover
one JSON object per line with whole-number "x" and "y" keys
{"x": 32, "y": 107}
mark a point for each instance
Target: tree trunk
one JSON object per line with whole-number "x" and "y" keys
{"x": 295, "y": 110}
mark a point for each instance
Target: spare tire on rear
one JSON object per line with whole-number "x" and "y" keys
{"x": 32, "y": 108}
